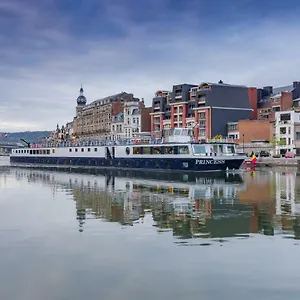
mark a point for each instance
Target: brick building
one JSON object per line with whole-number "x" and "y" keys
{"x": 270, "y": 100}
{"x": 95, "y": 120}
{"x": 206, "y": 107}
{"x": 249, "y": 131}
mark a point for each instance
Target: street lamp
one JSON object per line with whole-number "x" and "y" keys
{"x": 243, "y": 143}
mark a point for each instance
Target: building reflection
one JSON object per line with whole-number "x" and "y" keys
{"x": 206, "y": 206}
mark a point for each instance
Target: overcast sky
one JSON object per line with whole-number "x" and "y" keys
{"x": 50, "y": 47}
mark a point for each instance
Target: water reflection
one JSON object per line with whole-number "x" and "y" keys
{"x": 190, "y": 206}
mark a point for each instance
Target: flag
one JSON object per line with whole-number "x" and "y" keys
{"x": 5, "y": 135}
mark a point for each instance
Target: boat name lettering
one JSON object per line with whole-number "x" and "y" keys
{"x": 209, "y": 162}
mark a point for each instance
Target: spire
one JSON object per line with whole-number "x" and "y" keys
{"x": 81, "y": 100}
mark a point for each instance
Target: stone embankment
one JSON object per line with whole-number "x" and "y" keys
{"x": 273, "y": 162}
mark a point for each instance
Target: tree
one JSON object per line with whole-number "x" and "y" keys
{"x": 280, "y": 142}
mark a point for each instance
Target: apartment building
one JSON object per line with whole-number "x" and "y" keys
{"x": 94, "y": 120}
{"x": 287, "y": 132}
{"x": 271, "y": 100}
{"x": 206, "y": 107}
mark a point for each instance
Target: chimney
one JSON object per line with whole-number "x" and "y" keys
{"x": 296, "y": 83}
{"x": 268, "y": 90}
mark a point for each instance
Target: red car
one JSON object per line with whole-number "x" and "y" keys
{"x": 289, "y": 155}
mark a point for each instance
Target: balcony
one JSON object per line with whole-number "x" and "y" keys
{"x": 178, "y": 95}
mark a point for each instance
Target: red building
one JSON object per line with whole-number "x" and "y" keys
{"x": 206, "y": 107}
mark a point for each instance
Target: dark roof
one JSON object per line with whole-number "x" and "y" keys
{"x": 287, "y": 88}
{"x": 81, "y": 100}
{"x": 136, "y": 111}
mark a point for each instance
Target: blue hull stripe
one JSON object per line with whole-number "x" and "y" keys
{"x": 187, "y": 164}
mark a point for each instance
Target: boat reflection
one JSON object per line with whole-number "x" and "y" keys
{"x": 207, "y": 205}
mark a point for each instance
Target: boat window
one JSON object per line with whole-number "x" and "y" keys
{"x": 127, "y": 150}
{"x": 137, "y": 150}
{"x": 30, "y": 151}
{"x": 82, "y": 149}
{"x": 183, "y": 150}
{"x": 89, "y": 149}
{"x": 48, "y": 151}
{"x": 70, "y": 150}
{"x": 53, "y": 150}
{"x": 230, "y": 149}
{"x": 76, "y": 149}
{"x": 146, "y": 150}
{"x": 199, "y": 149}
{"x": 170, "y": 150}
{"x": 220, "y": 149}
{"x": 156, "y": 150}
{"x": 95, "y": 149}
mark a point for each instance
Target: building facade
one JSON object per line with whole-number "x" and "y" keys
{"x": 206, "y": 107}
{"x": 250, "y": 131}
{"x": 270, "y": 100}
{"x": 120, "y": 116}
{"x": 95, "y": 120}
{"x": 287, "y": 132}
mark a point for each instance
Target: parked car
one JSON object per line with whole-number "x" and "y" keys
{"x": 289, "y": 155}
{"x": 263, "y": 154}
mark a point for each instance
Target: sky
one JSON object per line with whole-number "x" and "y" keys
{"x": 50, "y": 47}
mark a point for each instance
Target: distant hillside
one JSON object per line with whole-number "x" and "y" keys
{"x": 30, "y": 136}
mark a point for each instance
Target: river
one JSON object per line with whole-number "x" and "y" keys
{"x": 134, "y": 235}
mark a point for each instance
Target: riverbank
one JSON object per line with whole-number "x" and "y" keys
{"x": 273, "y": 162}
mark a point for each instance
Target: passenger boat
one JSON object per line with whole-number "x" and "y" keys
{"x": 176, "y": 151}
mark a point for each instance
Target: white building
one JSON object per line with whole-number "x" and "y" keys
{"x": 117, "y": 127}
{"x": 132, "y": 119}
{"x": 287, "y": 131}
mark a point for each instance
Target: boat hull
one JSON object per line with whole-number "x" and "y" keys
{"x": 178, "y": 164}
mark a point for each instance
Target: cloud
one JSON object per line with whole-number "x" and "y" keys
{"x": 52, "y": 47}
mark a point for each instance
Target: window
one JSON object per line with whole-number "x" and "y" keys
{"x": 282, "y": 130}
{"x": 285, "y": 117}
{"x": 89, "y": 149}
{"x": 232, "y": 127}
{"x": 276, "y": 108}
{"x": 199, "y": 149}
{"x": 82, "y": 149}
{"x": 297, "y": 135}
{"x": 127, "y": 150}
{"x": 76, "y": 149}
{"x": 183, "y": 150}
{"x": 70, "y": 150}
{"x": 156, "y": 150}
{"x": 133, "y": 120}
{"x": 137, "y": 150}
{"x": 170, "y": 150}
{"x": 146, "y": 150}
{"x": 53, "y": 150}
{"x": 48, "y": 151}
{"x": 95, "y": 149}
{"x": 230, "y": 149}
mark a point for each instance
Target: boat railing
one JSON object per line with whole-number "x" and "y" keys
{"x": 127, "y": 142}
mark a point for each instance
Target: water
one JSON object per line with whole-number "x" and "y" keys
{"x": 148, "y": 236}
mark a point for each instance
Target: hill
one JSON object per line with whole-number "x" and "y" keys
{"x": 30, "y": 136}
